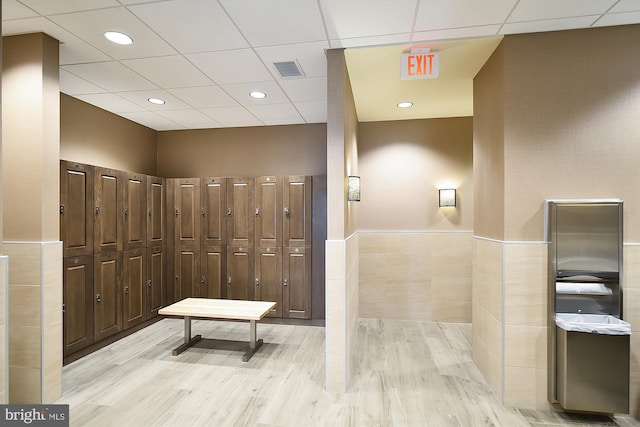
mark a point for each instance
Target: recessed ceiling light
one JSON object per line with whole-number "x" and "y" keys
{"x": 118, "y": 38}
{"x": 405, "y": 104}
{"x": 157, "y": 101}
{"x": 257, "y": 94}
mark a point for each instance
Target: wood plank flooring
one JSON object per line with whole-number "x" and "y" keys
{"x": 407, "y": 373}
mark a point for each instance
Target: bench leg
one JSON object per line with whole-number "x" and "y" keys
{"x": 188, "y": 341}
{"x": 254, "y": 344}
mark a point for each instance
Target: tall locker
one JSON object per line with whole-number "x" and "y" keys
{"x": 76, "y": 208}
{"x": 268, "y": 284}
{"x": 297, "y": 211}
{"x": 156, "y": 280}
{"x": 187, "y": 271}
{"x": 156, "y": 213}
{"x": 170, "y": 291}
{"x": 240, "y": 211}
{"x": 187, "y": 211}
{"x": 213, "y": 269}
{"x": 77, "y": 300}
{"x": 134, "y": 287}
{"x": 108, "y": 204}
{"x": 240, "y": 267}
{"x": 107, "y": 290}
{"x": 296, "y": 283}
{"x": 269, "y": 211}
{"x": 135, "y": 211}
{"x": 213, "y": 212}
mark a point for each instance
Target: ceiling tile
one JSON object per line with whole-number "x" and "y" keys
{"x": 112, "y": 76}
{"x": 626, "y": 6}
{"x": 153, "y": 121}
{"x": 190, "y": 119}
{"x": 52, "y": 7}
{"x": 204, "y": 97}
{"x": 313, "y": 112}
{"x": 231, "y": 116}
{"x": 531, "y": 10}
{"x": 310, "y": 56}
{"x": 548, "y": 25}
{"x": 240, "y": 92}
{"x": 11, "y": 9}
{"x": 350, "y": 19}
{"x": 168, "y": 71}
{"x": 442, "y": 14}
{"x": 276, "y": 114}
{"x": 306, "y": 90}
{"x": 110, "y": 102}
{"x": 231, "y": 66}
{"x": 74, "y": 85}
{"x": 371, "y": 41}
{"x": 457, "y": 33}
{"x": 274, "y": 22}
{"x": 618, "y": 19}
{"x": 91, "y": 26}
{"x": 141, "y": 98}
{"x": 209, "y": 27}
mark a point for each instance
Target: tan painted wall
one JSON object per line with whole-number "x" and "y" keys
{"x": 94, "y": 136}
{"x": 403, "y": 163}
{"x": 256, "y": 151}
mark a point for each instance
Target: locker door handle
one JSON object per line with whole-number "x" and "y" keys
{"x": 97, "y": 210}
{"x": 149, "y": 283}
{"x": 202, "y": 212}
{"x": 98, "y": 298}
{"x": 257, "y": 281}
{"x": 176, "y": 212}
{"x": 229, "y": 280}
{"x": 61, "y": 209}
{"x": 126, "y": 211}
{"x": 126, "y": 290}
{"x": 286, "y": 211}
{"x": 229, "y": 211}
{"x": 285, "y": 282}
{"x": 257, "y": 211}
{"x": 149, "y": 212}
{"x": 63, "y": 309}
{"x": 202, "y": 280}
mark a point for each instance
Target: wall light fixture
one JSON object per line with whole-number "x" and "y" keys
{"x": 447, "y": 197}
{"x": 354, "y": 189}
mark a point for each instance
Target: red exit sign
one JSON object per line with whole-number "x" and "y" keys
{"x": 419, "y": 65}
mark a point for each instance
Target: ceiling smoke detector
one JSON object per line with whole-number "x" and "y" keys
{"x": 288, "y": 69}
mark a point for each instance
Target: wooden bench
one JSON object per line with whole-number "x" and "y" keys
{"x": 219, "y": 309}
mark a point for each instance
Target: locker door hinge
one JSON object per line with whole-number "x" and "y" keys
{"x": 97, "y": 210}
{"x": 98, "y": 298}
{"x": 61, "y": 209}
{"x": 126, "y": 290}
{"x": 257, "y": 281}
{"x": 285, "y": 282}
{"x": 149, "y": 283}
{"x": 202, "y": 212}
{"x": 202, "y": 280}
{"x": 257, "y": 211}
{"x": 286, "y": 211}
{"x": 229, "y": 280}
{"x": 149, "y": 211}
{"x": 229, "y": 211}
{"x": 126, "y": 211}
{"x": 176, "y": 212}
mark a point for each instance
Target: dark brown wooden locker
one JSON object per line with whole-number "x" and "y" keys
{"x": 76, "y": 208}
{"x": 156, "y": 280}
{"x": 240, "y": 211}
{"x": 156, "y": 211}
{"x": 77, "y": 300}
{"x": 213, "y": 211}
{"x": 187, "y": 270}
{"x": 296, "y": 283}
{"x": 170, "y": 290}
{"x": 135, "y": 211}
{"x": 213, "y": 271}
{"x": 187, "y": 211}
{"x": 240, "y": 267}
{"x": 269, "y": 211}
{"x": 268, "y": 284}
{"x": 107, "y": 295}
{"x": 134, "y": 287}
{"x": 297, "y": 211}
{"x": 108, "y": 210}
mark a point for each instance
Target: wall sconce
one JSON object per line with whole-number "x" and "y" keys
{"x": 447, "y": 197}
{"x": 354, "y": 189}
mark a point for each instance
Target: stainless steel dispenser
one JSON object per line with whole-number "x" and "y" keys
{"x": 588, "y": 340}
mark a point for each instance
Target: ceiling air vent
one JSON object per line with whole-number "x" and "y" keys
{"x": 288, "y": 69}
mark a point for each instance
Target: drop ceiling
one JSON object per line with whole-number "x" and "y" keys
{"x": 203, "y": 57}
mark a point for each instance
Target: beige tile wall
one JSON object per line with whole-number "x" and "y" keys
{"x": 415, "y": 275}
{"x": 4, "y": 336}
{"x": 352, "y": 301}
{"x": 631, "y": 313}
{"x": 336, "y": 366}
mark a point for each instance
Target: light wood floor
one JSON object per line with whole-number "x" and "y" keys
{"x": 407, "y": 374}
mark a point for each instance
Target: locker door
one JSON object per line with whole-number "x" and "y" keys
{"x": 240, "y": 273}
{"x": 214, "y": 201}
{"x": 269, "y": 211}
{"x": 170, "y": 292}
{"x": 187, "y": 211}
{"x": 240, "y": 211}
{"x": 135, "y": 211}
{"x": 297, "y": 211}
{"x": 296, "y": 284}
{"x": 108, "y": 218}
{"x": 134, "y": 287}
{"x": 77, "y": 300}
{"x": 107, "y": 295}
{"x": 187, "y": 269}
{"x": 269, "y": 278}
{"x": 156, "y": 215}
{"x": 76, "y": 208}
{"x": 213, "y": 269}
{"x": 156, "y": 280}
